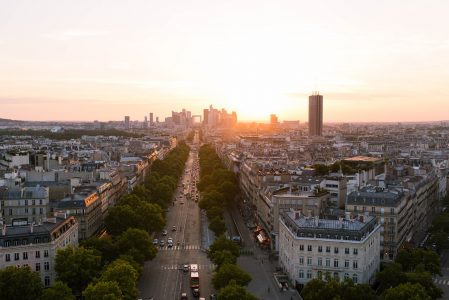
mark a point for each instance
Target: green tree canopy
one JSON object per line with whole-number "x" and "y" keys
{"x": 410, "y": 259}
{"x": 223, "y": 257}
{"x": 103, "y": 290}
{"x": 125, "y": 275}
{"x": 407, "y": 291}
{"x": 222, "y": 243}
{"x": 59, "y": 291}
{"x": 77, "y": 267}
{"x": 136, "y": 243}
{"x": 228, "y": 272}
{"x": 20, "y": 283}
{"x": 233, "y": 291}
{"x": 104, "y": 246}
{"x": 217, "y": 225}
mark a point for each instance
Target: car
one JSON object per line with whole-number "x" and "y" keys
{"x": 184, "y": 296}
{"x": 196, "y": 292}
{"x": 182, "y": 202}
{"x": 173, "y": 228}
{"x": 170, "y": 240}
{"x": 162, "y": 243}
{"x": 164, "y": 232}
{"x": 185, "y": 268}
{"x": 155, "y": 241}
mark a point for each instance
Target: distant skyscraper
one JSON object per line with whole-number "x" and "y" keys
{"x": 205, "y": 116}
{"x": 273, "y": 119}
{"x": 151, "y": 118}
{"x": 316, "y": 115}
{"x": 127, "y": 122}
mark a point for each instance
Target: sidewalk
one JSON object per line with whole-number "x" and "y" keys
{"x": 261, "y": 269}
{"x": 207, "y": 235}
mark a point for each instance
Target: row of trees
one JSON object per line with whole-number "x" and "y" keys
{"x": 218, "y": 188}
{"x": 409, "y": 277}
{"x": 323, "y": 170}
{"x": 108, "y": 267}
{"x": 68, "y": 133}
{"x": 229, "y": 279}
{"x": 439, "y": 231}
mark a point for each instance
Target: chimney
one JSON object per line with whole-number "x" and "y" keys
{"x": 31, "y": 227}
{"x": 317, "y": 221}
{"x": 361, "y": 219}
{"x": 296, "y": 215}
{"x": 340, "y": 222}
{"x": 347, "y": 215}
{"x": 309, "y": 213}
{"x": 4, "y": 230}
{"x": 366, "y": 216}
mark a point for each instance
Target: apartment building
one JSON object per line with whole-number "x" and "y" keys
{"x": 36, "y": 245}
{"x": 310, "y": 247}
{"x": 24, "y": 204}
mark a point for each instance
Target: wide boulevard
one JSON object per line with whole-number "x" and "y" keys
{"x": 163, "y": 277}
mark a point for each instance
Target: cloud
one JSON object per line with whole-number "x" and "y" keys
{"x": 66, "y": 35}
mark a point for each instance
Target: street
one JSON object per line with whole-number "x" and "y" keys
{"x": 163, "y": 277}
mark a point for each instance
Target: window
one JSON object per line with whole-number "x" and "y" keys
{"x": 355, "y": 208}
{"x": 26, "y": 210}
{"x": 320, "y": 261}
{"x": 320, "y": 248}
{"x": 309, "y": 274}
{"x": 328, "y": 262}
{"x": 355, "y": 264}
{"x": 373, "y": 209}
{"x": 309, "y": 247}
{"x": 40, "y": 202}
{"x": 336, "y": 250}
{"x": 45, "y": 253}
{"x": 354, "y": 278}
{"x": 392, "y": 210}
{"x": 41, "y": 211}
{"x": 301, "y": 247}
{"x": 346, "y": 275}
{"x": 38, "y": 254}
{"x": 7, "y": 257}
{"x": 363, "y": 208}
{"x": 25, "y": 255}
{"x": 16, "y": 256}
{"x": 336, "y": 276}
{"x": 328, "y": 249}
{"x": 319, "y": 274}
{"x": 38, "y": 267}
{"x": 301, "y": 260}
{"x": 309, "y": 261}
{"x": 346, "y": 263}
{"x": 346, "y": 250}
{"x": 46, "y": 266}
{"x": 356, "y": 251}
{"x": 47, "y": 281}
{"x": 301, "y": 274}
{"x": 335, "y": 263}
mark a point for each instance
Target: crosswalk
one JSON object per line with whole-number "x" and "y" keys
{"x": 186, "y": 247}
{"x": 179, "y": 267}
{"x": 441, "y": 281}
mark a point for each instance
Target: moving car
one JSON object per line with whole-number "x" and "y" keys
{"x": 185, "y": 268}
{"x": 184, "y": 296}
{"x": 164, "y": 232}
{"x": 172, "y": 229}
{"x": 155, "y": 241}
{"x": 161, "y": 243}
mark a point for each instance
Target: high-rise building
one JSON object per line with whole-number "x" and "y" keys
{"x": 127, "y": 122}
{"x": 205, "y": 116}
{"x": 273, "y": 119}
{"x": 151, "y": 118}
{"x": 316, "y": 115}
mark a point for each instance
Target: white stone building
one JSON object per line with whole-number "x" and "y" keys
{"x": 36, "y": 245}
{"x": 345, "y": 248}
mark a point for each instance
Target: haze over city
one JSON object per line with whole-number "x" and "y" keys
{"x": 372, "y": 61}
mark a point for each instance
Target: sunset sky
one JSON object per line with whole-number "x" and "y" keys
{"x": 86, "y": 60}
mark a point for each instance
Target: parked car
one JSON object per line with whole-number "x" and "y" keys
{"x": 155, "y": 241}
{"x": 164, "y": 232}
{"x": 162, "y": 243}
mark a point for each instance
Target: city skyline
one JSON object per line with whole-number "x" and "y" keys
{"x": 372, "y": 62}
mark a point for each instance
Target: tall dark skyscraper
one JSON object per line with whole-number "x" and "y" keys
{"x": 316, "y": 115}
{"x": 127, "y": 122}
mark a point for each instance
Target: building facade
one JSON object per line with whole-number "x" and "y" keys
{"x": 316, "y": 115}
{"x": 36, "y": 246}
{"x": 313, "y": 248}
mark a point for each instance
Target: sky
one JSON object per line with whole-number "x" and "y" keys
{"x": 103, "y": 59}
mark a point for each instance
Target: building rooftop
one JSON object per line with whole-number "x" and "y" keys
{"x": 376, "y": 196}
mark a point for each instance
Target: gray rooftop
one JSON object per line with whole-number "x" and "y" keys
{"x": 375, "y": 196}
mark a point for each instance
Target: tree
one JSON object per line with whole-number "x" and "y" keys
{"x": 104, "y": 246}
{"x": 321, "y": 169}
{"x": 136, "y": 243}
{"x": 125, "y": 275}
{"x": 407, "y": 291}
{"x": 223, "y": 257}
{"x": 77, "y": 267}
{"x": 59, "y": 291}
{"x": 331, "y": 288}
{"x": 424, "y": 279}
{"x": 120, "y": 218}
{"x": 410, "y": 259}
{"x": 222, "y": 243}
{"x": 391, "y": 276}
{"x": 228, "y": 272}
{"x": 233, "y": 291}
{"x": 103, "y": 290}
{"x": 217, "y": 225}
{"x": 19, "y": 283}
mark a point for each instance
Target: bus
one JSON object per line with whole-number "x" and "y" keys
{"x": 194, "y": 277}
